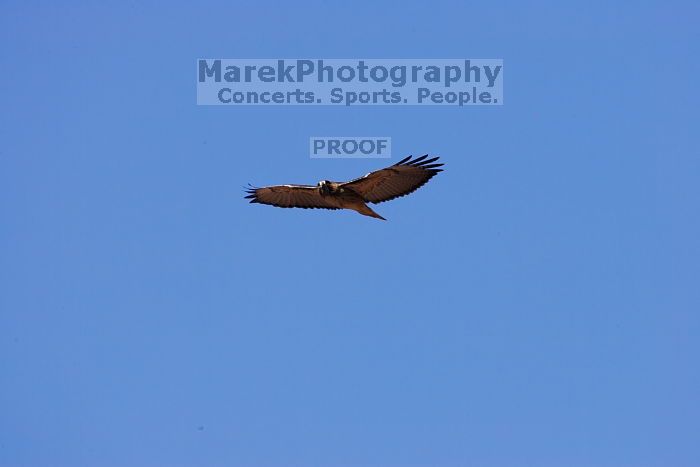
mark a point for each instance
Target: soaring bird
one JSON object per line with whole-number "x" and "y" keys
{"x": 400, "y": 179}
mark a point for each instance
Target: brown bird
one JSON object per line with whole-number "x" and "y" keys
{"x": 400, "y": 179}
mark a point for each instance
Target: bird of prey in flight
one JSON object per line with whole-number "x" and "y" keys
{"x": 400, "y": 179}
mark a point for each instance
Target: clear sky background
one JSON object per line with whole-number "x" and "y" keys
{"x": 536, "y": 304}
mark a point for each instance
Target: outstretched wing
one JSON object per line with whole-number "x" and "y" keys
{"x": 289, "y": 196}
{"x": 400, "y": 179}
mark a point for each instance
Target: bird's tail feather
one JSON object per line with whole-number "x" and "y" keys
{"x": 367, "y": 211}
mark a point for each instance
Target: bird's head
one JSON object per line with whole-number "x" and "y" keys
{"x": 324, "y": 187}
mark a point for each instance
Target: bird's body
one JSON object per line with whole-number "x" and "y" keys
{"x": 345, "y": 198}
{"x": 392, "y": 182}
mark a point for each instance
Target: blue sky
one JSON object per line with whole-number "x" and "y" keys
{"x": 536, "y": 304}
